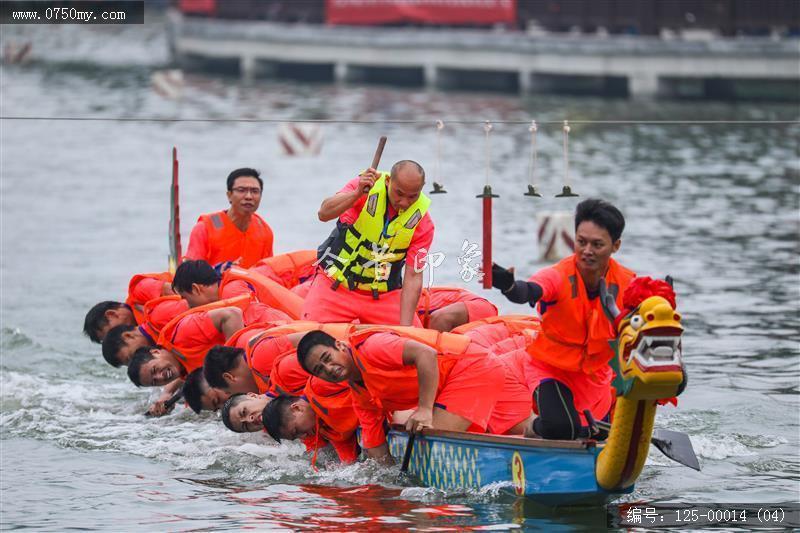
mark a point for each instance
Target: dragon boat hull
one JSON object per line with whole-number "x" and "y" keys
{"x": 550, "y": 472}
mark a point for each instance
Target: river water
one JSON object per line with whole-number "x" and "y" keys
{"x": 85, "y": 205}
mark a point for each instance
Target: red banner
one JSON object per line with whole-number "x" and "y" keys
{"x": 483, "y": 12}
{"x": 200, "y": 7}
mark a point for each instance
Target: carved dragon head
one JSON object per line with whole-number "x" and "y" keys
{"x": 648, "y": 362}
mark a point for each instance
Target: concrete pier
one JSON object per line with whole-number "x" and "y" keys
{"x": 625, "y": 65}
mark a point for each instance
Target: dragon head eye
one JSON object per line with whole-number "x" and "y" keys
{"x": 636, "y": 321}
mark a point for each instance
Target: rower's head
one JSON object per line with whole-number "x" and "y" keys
{"x": 104, "y": 316}
{"x": 121, "y": 342}
{"x": 598, "y": 228}
{"x": 225, "y": 367}
{"x": 323, "y": 356}
{"x": 405, "y": 183}
{"x": 242, "y": 413}
{"x": 153, "y": 366}
{"x": 289, "y": 417}
{"x": 200, "y": 395}
{"x": 196, "y": 282}
{"x": 244, "y": 190}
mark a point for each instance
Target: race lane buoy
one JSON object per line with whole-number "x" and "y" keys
{"x": 168, "y": 83}
{"x": 556, "y": 235}
{"x": 300, "y": 139}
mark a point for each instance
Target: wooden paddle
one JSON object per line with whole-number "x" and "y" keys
{"x": 377, "y": 158}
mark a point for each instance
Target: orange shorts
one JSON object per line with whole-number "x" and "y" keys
{"x": 471, "y": 390}
{"x": 479, "y": 308}
{"x": 323, "y": 304}
{"x": 515, "y": 402}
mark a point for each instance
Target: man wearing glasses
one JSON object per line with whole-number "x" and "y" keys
{"x": 238, "y": 234}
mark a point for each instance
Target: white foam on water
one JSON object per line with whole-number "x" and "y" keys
{"x": 496, "y": 527}
{"x": 719, "y": 447}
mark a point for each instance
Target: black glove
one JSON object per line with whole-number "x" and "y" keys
{"x": 501, "y": 278}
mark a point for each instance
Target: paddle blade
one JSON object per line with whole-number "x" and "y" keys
{"x": 676, "y": 446}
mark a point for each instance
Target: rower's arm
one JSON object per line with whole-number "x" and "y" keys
{"x": 517, "y": 291}
{"x": 424, "y": 358}
{"x": 166, "y": 289}
{"x": 342, "y": 201}
{"x": 409, "y": 295}
{"x": 337, "y": 204}
{"x": 380, "y": 454}
{"x": 524, "y": 292}
{"x": 227, "y": 320}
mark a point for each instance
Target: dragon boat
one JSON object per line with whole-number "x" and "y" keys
{"x": 648, "y": 371}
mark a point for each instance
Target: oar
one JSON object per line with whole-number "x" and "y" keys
{"x": 377, "y": 158}
{"x": 169, "y": 403}
{"x": 407, "y": 454}
{"x": 673, "y": 444}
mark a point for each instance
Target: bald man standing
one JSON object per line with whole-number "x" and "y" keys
{"x": 383, "y": 226}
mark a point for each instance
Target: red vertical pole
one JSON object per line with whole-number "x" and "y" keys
{"x": 487, "y": 235}
{"x": 178, "y": 248}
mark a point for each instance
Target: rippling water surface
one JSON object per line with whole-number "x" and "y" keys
{"x": 84, "y": 206}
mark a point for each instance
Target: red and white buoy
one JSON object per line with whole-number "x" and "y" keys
{"x": 168, "y": 83}
{"x": 300, "y": 139}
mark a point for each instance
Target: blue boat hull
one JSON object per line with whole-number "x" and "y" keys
{"x": 548, "y": 472}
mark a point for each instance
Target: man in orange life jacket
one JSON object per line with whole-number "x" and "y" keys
{"x": 197, "y": 282}
{"x": 200, "y": 395}
{"x": 383, "y": 225}
{"x": 141, "y": 289}
{"x": 299, "y": 417}
{"x": 154, "y": 366}
{"x": 122, "y": 341}
{"x": 449, "y": 387}
{"x": 238, "y": 234}
{"x": 568, "y": 369}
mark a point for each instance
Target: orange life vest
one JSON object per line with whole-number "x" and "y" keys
{"x": 243, "y": 336}
{"x": 575, "y": 332}
{"x": 267, "y": 291}
{"x": 226, "y": 242}
{"x": 193, "y": 356}
{"x": 334, "y": 408}
{"x": 398, "y": 389}
{"x": 159, "y": 311}
{"x": 288, "y": 268}
{"x": 136, "y": 305}
{"x": 286, "y": 376}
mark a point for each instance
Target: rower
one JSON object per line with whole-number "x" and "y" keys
{"x": 388, "y": 370}
{"x": 141, "y": 289}
{"x": 197, "y": 282}
{"x": 383, "y": 225}
{"x": 238, "y": 234}
{"x": 568, "y": 370}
